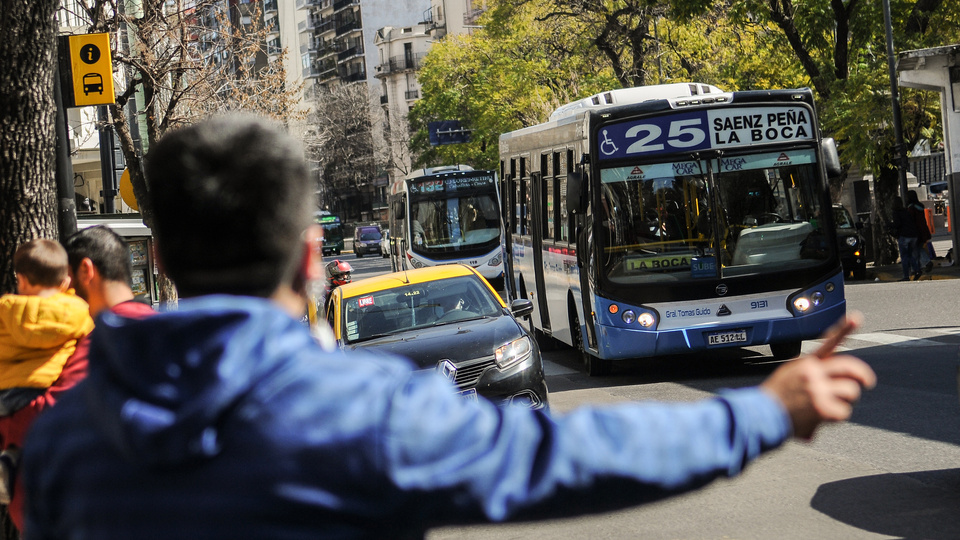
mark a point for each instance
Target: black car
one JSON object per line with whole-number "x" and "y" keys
{"x": 851, "y": 243}
{"x": 446, "y": 318}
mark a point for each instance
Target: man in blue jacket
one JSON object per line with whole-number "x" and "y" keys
{"x": 224, "y": 419}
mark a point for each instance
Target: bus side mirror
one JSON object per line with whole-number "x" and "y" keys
{"x": 575, "y": 192}
{"x": 831, "y": 158}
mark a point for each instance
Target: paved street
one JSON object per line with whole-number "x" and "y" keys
{"x": 892, "y": 472}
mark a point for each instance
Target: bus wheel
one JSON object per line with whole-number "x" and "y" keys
{"x": 595, "y": 366}
{"x": 785, "y": 351}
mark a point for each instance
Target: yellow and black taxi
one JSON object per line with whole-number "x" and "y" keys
{"x": 446, "y": 318}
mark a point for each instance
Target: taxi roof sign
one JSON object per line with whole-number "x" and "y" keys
{"x": 86, "y": 70}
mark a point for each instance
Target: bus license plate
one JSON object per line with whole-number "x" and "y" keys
{"x": 723, "y": 338}
{"x": 469, "y": 395}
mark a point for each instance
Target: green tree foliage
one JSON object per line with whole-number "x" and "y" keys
{"x": 509, "y": 75}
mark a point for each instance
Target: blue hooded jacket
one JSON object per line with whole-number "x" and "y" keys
{"x": 225, "y": 420}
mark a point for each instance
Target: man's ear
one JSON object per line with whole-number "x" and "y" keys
{"x": 86, "y": 271}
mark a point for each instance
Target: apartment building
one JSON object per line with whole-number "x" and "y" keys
{"x": 454, "y": 16}
{"x": 400, "y": 54}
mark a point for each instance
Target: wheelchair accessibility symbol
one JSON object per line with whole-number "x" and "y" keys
{"x": 607, "y": 146}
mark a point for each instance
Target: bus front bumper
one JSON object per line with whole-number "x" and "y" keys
{"x": 617, "y": 343}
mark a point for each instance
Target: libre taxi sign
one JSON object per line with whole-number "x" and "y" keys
{"x": 91, "y": 69}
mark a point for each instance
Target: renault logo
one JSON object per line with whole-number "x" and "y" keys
{"x": 722, "y": 289}
{"x": 447, "y": 369}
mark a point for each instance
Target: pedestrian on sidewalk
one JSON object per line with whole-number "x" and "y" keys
{"x": 225, "y": 419}
{"x": 904, "y": 227}
{"x": 916, "y": 210}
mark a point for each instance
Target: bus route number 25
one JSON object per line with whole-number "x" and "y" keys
{"x": 685, "y": 133}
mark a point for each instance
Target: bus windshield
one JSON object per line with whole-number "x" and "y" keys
{"x": 452, "y": 222}
{"x": 712, "y": 218}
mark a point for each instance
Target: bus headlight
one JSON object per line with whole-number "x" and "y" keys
{"x": 629, "y": 316}
{"x": 817, "y": 298}
{"x": 802, "y": 304}
{"x": 514, "y": 352}
{"x": 495, "y": 261}
{"x": 851, "y": 241}
{"x": 646, "y": 320}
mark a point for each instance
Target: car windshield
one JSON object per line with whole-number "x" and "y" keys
{"x": 371, "y": 235}
{"x": 417, "y": 306}
{"x": 842, "y": 218}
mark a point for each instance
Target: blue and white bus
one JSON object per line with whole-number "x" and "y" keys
{"x": 448, "y": 214}
{"x": 675, "y": 218}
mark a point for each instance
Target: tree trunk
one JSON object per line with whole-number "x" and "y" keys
{"x": 28, "y": 190}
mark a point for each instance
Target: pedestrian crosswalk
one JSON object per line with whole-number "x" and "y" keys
{"x": 920, "y": 337}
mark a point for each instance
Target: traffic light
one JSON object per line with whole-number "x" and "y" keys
{"x": 86, "y": 70}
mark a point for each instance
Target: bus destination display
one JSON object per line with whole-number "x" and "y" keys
{"x": 450, "y": 185}
{"x": 705, "y": 130}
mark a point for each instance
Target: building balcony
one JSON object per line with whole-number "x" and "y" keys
{"x": 270, "y": 6}
{"x": 411, "y": 94}
{"x": 348, "y": 26}
{"x": 471, "y": 16}
{"x": 341, "y": 4}
{"x": 352, "y": 51}
{"x": 306, "y": 4}
{"x": 353, "y": 77}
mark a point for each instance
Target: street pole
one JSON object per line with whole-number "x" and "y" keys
{"x": 66, "y": 201}
{"x": 107, "y": 164}
{"x": 898, "y": 148}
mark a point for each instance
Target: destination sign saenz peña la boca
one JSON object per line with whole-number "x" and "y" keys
{"x": 706, "y": 129}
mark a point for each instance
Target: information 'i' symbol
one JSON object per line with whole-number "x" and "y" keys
{"x": 90, "y": 53}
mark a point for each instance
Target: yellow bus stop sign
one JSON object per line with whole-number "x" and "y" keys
{"x": 91, "y": 68}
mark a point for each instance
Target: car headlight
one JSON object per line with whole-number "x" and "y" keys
{"x": 514, "y": 352}
{"x": 851, "y": 241}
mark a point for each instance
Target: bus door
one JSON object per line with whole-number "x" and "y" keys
{"x": 585, "y": 259}
{"x": 538, "y": 199}
{"x": 508, "y": 201}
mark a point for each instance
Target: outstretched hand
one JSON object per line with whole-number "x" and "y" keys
{"x": 821, "y": 387}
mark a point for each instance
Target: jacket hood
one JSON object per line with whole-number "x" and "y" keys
{"x": 160, "y": 387}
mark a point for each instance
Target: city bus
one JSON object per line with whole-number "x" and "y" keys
{"x": 332, "y": 232}
{"x": 447, "y": 214}
{"x": 671, "y": 219}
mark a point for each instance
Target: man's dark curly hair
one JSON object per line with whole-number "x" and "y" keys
{"x": 231, "y": 197}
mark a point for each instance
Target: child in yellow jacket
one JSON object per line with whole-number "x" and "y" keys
{"x": 39, "y": 330}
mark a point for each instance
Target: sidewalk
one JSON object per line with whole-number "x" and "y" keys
{"x": 942, "y": 242}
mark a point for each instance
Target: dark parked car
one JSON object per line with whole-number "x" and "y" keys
{"x": 366, "y": 240}
{"x": 851, "y": 243}
{"x": 446, "y": 318}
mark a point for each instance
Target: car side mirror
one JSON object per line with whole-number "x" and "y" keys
{"x": 521, "y": 307}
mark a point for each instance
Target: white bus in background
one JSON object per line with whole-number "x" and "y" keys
{"x": 444, "y": 215}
